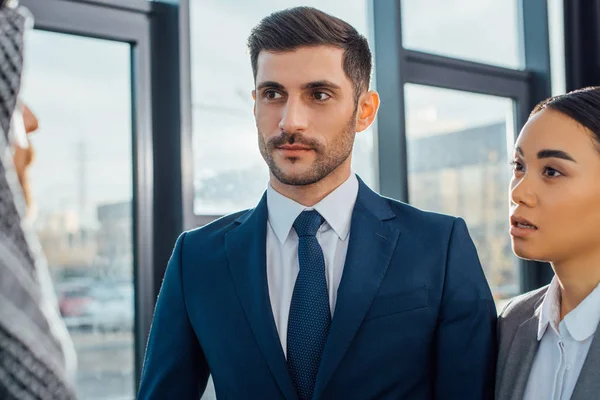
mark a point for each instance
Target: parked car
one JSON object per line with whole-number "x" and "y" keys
{"x": 112, "y": 308}
{"x": 73, "y": 302}
{"x": 99, "y": 306}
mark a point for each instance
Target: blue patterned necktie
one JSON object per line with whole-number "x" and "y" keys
{"x": 310, "y": 317}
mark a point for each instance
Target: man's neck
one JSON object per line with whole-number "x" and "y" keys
{"x": 309, "y": 195}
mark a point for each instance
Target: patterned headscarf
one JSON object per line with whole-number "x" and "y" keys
{"x": 35, "y": 349}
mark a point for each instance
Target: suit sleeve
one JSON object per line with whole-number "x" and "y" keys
{"x": 174, "y": 366}
{"x": 466, "y": 347}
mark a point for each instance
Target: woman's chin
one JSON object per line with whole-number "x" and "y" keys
{"x": 526, "y": 251}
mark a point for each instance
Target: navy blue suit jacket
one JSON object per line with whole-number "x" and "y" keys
{"x": 414, "y": 317}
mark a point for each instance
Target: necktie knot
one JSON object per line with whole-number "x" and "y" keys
{"x": 308, "y": 223}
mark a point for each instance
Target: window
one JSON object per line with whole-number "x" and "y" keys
{"x": 80, "y": 89}
{"x": 458, "y": 146}
{"x": 229, "y": 172}
{"x": 484, "y": 30}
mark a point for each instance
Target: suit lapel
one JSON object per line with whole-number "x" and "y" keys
{"x": 246, "y": 254}
{"x": 588, "y": 383}
{"x": 523, "y": 349}
{"x": 370, "y": 249}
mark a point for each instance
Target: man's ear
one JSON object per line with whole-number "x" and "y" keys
{"x": 368, "y": 104}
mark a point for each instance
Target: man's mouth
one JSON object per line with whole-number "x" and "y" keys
{"x": 293, "y": 147}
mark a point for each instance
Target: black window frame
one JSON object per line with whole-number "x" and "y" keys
{"x": 396, "y": 66}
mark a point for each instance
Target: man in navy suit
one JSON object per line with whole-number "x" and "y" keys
{"x": 325, "y": 290}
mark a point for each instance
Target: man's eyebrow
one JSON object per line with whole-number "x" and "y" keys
{"x": 270, "y": 84}
{"x": 321, "y": 84}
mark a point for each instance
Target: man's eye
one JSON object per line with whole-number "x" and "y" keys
{"x": 321, "y": 96}
{"x": 272, "y": 95}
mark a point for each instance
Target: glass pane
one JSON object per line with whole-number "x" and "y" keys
{"x": 80, "y": 89}
{"x": 485, "y": 31}
{"x": 458, "y": 154}
{"x": 229, "y": 172}
{"x": 556, "y": 29}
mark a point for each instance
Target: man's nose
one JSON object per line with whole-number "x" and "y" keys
{"x": 294, "y": 116}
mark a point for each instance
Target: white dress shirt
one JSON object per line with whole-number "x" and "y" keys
{"x": 563, "y": 347}
{"x": 282, "y": 246}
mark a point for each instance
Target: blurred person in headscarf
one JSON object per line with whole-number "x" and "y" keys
{"x": 37, "y": 357}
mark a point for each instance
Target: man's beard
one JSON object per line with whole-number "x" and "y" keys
{"x": 327, "y": 159}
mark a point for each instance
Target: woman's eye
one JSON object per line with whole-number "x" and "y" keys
{"x": 551, "y": 172}
{"x": 517, "y": 166}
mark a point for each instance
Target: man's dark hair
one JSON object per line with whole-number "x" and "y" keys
{"x": 289, "y": 29}
{"x": 582, "y": 105}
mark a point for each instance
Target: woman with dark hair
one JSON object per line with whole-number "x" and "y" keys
{"x": 549, "y": 338}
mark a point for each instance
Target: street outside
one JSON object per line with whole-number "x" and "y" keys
{"x": 106, "y": 366}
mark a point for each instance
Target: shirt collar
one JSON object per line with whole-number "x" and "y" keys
{"x": 336, "y": 209}
{"x": 582, "y": 322}
{"x": 550, "y": 309}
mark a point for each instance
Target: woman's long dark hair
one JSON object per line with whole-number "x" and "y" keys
{"x": 582, "y": 105}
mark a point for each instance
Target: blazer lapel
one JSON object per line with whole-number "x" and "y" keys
{"x": 246, "y": 254}
{"x": 522, "y": 350}
{"x": 370, "y": 249}
{"x": 588, "y": 383}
